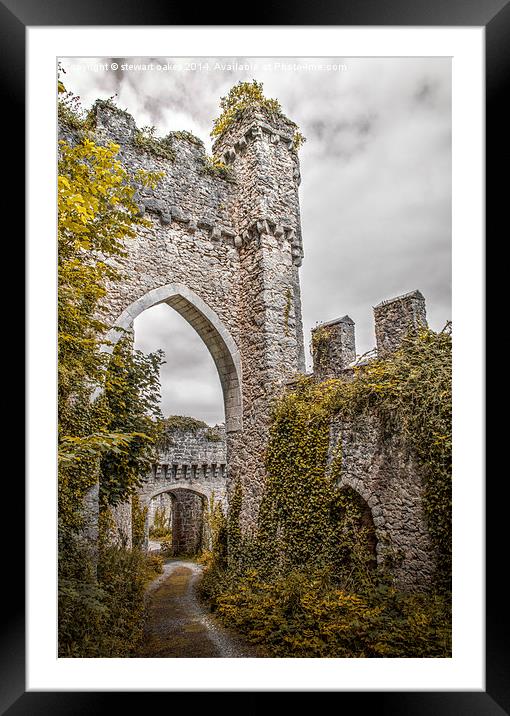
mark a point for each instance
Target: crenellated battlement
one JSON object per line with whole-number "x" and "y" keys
{"x": 334, "y": 343}
{"x": 194, "y": 459}
{"x": 256, "y": 194}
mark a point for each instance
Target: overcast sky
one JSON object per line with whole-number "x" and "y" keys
{"x": 375, "y": 192}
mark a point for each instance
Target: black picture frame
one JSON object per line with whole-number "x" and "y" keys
{"x": 494, "y": 15}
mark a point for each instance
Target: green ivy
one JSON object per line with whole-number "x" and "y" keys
{"x": 215, "y": 167}
{"x": 187, "y": 137}
{"x": 160, "y": 147}
{"x": 245, "y": 95}
{"x": 307, "y": 584}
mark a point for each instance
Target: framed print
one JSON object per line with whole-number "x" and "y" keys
{"x": 323, "y": 529}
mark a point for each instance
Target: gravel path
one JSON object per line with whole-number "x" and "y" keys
{"x": 178, "y": 625}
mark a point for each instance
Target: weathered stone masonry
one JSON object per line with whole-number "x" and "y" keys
{"x": 376, "y": 465}
{"x": 226, "y": 256}
{"x": 191, "y": 470}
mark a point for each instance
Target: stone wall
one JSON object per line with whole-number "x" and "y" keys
{"x": 194, "y": 460}
{"x": 333, "y": 347}
{"x": 379, "y": 468}
{"x": 191, "y": 469}
{"x": 375, "y": 464}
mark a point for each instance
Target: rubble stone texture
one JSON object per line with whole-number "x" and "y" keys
{"x": 333, "y": 347}
{"x": 395, "y": 317}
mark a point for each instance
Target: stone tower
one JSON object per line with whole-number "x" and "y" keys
{"x": 223, "y": 249}
{"x": 260, "y": 149}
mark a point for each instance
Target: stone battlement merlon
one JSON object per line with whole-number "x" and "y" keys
{"x": 410, "y": 294}
{"x": 395, "y": 317}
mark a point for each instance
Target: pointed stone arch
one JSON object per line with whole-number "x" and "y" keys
{"x": 211, "y": 330}
{"x": 365, "y": 522}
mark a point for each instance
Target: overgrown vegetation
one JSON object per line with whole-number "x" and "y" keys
{"x": 187, "y": 137}
{"x": 159, "y": 147}
{"x": 320, "y": 345}
{"x": 161, "y": 525}
{"x": 307, "y": 584}
{"x": 106, "y": 440}
{"x": 131, "y": 400}
{"x": 177, "y": 424}
{"x": 214, "y": 554}
{"x": 244, "y": 95}
{"x": 298, "y": 140}
{"x": 213, "y": 434}
{"x": 101, "y": 610}
{"x": 183, "y": 423}
{"x": 241, "y": 96}
{"x": 306, "y": 614}
{"x": 215, "y": 167}
{"x": 71, "y": 113}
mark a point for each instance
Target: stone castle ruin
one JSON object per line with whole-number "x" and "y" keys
{"x": 224, "y": 249}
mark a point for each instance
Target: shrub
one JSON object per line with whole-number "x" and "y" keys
{"x": 160, "y": 527}
{"x": 187, "y": 137}
{"x": 215, "y": 167}
{"x": 302, "y": 614}
{"x": 103, "y": 616}
{"x": 159, "y": 147}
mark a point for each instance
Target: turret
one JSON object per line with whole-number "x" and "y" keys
{"x": 396, "y": 318}
{"x": 259, "y": 147}
{"x": 333, "y": 347}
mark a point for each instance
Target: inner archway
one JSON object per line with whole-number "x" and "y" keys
{"x": 361, "y": 522}
{"x": 177, "y": 518}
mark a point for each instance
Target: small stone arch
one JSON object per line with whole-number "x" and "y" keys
{"x": 366, "y": 521}
{"x": 174, "y": 488}
{"x": 211, "y": 330}
{"x": 187, "y": 518}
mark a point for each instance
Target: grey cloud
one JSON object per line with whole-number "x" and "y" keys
{"x": 189, "y": 381}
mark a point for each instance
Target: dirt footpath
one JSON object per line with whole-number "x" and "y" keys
{"x": 179, "y": 626}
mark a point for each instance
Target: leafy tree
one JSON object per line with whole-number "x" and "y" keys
{"x": 97, "y": 214}
{"x": 131, "y": 399}
{"x": 109, "y": 437}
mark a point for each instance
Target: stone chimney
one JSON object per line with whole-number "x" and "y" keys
{"x": 396, "y": 318}
{"x": 333, "y": 347}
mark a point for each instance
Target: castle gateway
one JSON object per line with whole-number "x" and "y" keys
{"x": 223, "y": 249}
